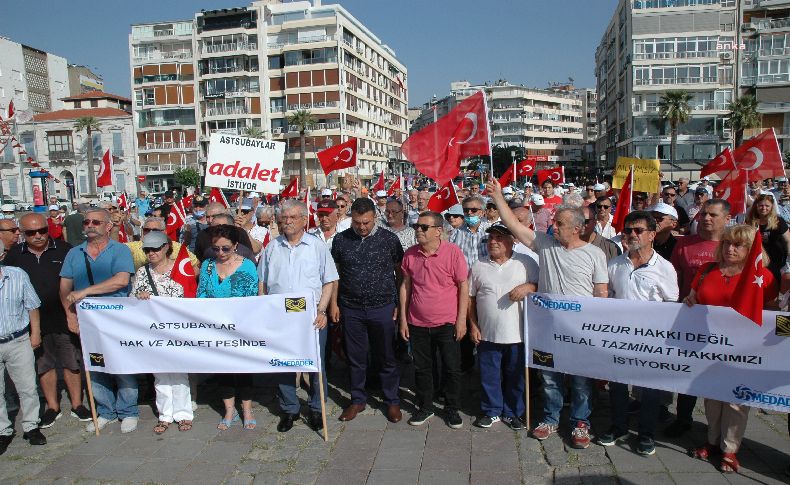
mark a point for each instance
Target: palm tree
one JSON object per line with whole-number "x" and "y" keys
{"x": 303, "y": 121}
{"x": 253, "y": 132}
{"x": 674, "y": 107}
{"x": 89, "y": 124}
{"x": 743, "y": 115}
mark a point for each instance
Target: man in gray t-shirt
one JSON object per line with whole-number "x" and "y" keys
{"x": 568, "y": 266}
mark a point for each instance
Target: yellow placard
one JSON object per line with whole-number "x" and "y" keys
{"x": 645, "y": 173}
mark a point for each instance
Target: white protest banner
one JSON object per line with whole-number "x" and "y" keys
{"x": 241, "y": 163}
{"x": 706, "y": 351}
{"x": 202, "y": 335}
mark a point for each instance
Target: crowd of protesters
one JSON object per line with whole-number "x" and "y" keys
{"x": 387, "y": 275}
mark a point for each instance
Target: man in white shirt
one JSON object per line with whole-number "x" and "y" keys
{"x": 641, "y": 274}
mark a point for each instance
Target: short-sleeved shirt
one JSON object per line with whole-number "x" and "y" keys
{"x": 367, "y": 267}
{"x": 164, "y": 285}
{"x": 543, "y": 218}
{"x": 474, "y": 245}
{"x": 55, "y": 229}
{"x": 143, "y": 205}
{"x": 74, "y": 233}
{"x": 551, "y": 202}
{"x": 607, "y": 230}
{"x": 434, "y": 284}
{"x": 406, "y": 236}
{"x": 717, "y": 290}
{"x": 610, "y": 249}
{"x": 500, "y": 319}
{"x": 666, "y": 248}
{"x": 115, "y": 258}
{"x": 17, "y": 298}
{"x": 569, "y": 271}
{"x": 243, "y": 282}
{"x": 44, "y": 274}
{"x": 689, "y": 254}
{"x": 305, "y": 266}
{"x": 655, "y": 280}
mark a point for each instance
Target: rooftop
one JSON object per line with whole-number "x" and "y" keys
{"x": 73, "y": 114}
{"x": 96, "y": 95}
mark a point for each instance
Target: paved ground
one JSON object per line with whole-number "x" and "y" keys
{"x": 371, "y": 450}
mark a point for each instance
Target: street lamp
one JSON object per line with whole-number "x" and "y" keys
{"x": 513, "y": 155}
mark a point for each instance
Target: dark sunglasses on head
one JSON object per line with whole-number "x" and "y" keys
{"x": 222, "y": 249}
{"x": 637, "y": 230}
{"x": 154, "y": 250}
{"x": 93, "y": 222}
{"x": 33, "y": 232}
{"x": 146, "y": 230}
{"x": 422, "y": 227}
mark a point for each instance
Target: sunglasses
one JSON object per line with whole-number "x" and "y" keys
{"x": 13, "y": 229}
{"x": 603, "y": 206}
{"x": 146, "y": 230}
{"x": 471, "y": 210}
{"x": 33, "y": 232}
{"x": 222, "y": 249}
{"x": 93, "y": 222}
{"x": 637, "y": 230}
{"x": 448, "y": 216}
{"x": 154, "y": 250}
{"x": 422, "y": 227}
{"x": 246, "y": 211}
{"x": 341, "y": 206}
{"x": 667, "y": 194}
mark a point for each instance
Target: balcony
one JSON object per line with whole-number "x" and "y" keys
{"x": 644, "y": 4}
{"x": 61, "y": 155}
{"x": 304, "y": 40}
{"x": 227, "y": 70}
{"x": 308, "y": 106}
{"x": 767, "y": 24}
{"x": 306, "y": 62}
{"x": 779, "y": 51}
{"x": 163, "y": 56}
{"x": 160, "y": 123}
{"x": 773, "y": 107}
{"x": 649, "y": 56}
{"x": 334, "y": 125}
{"x": 227, "y": 111}
{"x": 706, "y": 105}
{"x": 229, "y": 47}
{"x": 764, "y": 79}
{"x": 679, "y": 80}
{"x": 168, "y": 146}
{"x": 163, "y": 168}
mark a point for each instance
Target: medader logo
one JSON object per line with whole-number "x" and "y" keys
{"x": 97, "y": 360}
{"x": 295, "y": 305}
{"x": 747, "y": 394}
{"x": 91, "y": 306}
{"x": 545, "y": 359}
{"x": 562, "y": 305}
{"x": 291, "y": 362}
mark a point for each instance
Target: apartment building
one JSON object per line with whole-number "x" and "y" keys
{"x": 764, "y": 55}
{"x": 253, "y": 66}
{"x": 549, "y": 122}
{"x": 35, "y": 80}
{"x": 649, "y": 47}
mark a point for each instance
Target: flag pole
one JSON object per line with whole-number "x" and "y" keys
{"x": 631, "y": 199}
{"x": 91, "y": 401}
{"x": 488, "y": 130}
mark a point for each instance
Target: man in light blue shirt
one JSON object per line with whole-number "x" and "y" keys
{"x": 143, "y": 203}
{"x": 295, "y": 262}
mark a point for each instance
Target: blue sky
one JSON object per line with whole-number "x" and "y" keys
{"x": 530, "y": 42}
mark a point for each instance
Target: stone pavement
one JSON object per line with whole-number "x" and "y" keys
{"x": 371, "y": 450}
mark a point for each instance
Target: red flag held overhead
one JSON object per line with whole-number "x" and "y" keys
{"x": 761, "y": 156}
{"x": 379, "y": 185}
{"x": 339, "y": 156}
{"x": 395, "y": 186}
{"x": 723, "y": 162}
{"x": 216, "y": 195}
{"x": 732, "y": 188}
{"x": 291, "y": 190}
{"x": 11, "y": 109}
{"x": 175, "y": 220}
{"x": 556, "y": 175}
{"x": 444, "y": 198}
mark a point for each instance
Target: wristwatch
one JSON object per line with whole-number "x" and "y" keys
{"x": 322, "y": 312}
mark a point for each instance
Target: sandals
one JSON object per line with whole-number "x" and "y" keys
{"x": 161, "y": 427}
{"x": 225, "y": 424}
{"x": 704, "y": 452}
{"x": 184, "y": 425}
{"x": 729, "y": 463}
{"x": 249, "y": 424}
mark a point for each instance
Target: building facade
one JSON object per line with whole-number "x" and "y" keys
{"x": 83, "y": 80}
{"x": 33, "y": 79}
{"x": 251, "y": 68}
{"x": 52, "y": 141}
{"x": 650, "y": 47}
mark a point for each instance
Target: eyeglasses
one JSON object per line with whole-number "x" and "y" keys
{"x": 449, "y": 216}
{"x": 422, "y": 227}
{"x": 341, "y": 206}
{"x": 637, "y": 230}
{"x": 93, "y": 222}
{"x": 667, "y": 194}
{"x": 146, "y": 230}
{"x": 601, "y": 206}
{"x": 13, "y": 229}
{"x": 33, "y": 232}
{"x": 222, "y": 249}
{"x": 471, "y": 210}
{"x": 154, "y": 250}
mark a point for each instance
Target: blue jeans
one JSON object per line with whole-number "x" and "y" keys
{"x": 501, "y": 379}
{"x": 648, "y": 411}
{"x": 289, "y": 403}
{"x": 110, "y": 405}
{"x": 581, "y": 397}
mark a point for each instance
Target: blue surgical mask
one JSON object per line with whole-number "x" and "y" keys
{"x": 199, "y": 214}
{"x": 472, "y": 220}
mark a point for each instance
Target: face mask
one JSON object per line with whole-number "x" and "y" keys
{"x": 199, "y": 214}
{"x": 472, "y": 220}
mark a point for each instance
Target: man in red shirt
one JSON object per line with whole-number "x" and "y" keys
{"x": 55, "y": 222}
{"x": 434, "y": 296}
{"x": 690, "y": 253}
{"x": 549, "y": 198}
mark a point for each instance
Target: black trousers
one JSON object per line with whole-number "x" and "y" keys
{"x": 235, "y": 385}
{"x": 425, "y": 342}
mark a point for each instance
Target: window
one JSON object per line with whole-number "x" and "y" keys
{"x": 117, "y": 143}
{"x": 275, "y": 62}
{"x": 13, "y": 191}
{"x": 94, "y": 103}
{"x": 29, "y": 141}
{"x": 83, "y": 183}
{"x": 97, "y": 151}
{"x": 59, "y": 145}
{"x": 8, "y": 154}
{"x": 120, "y": 181}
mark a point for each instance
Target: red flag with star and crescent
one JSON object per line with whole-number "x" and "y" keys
{"x": 395, "y": 186}
{"x": 623, "y": 202}
{"x": 216, "y": 195}
{"x": 437, "y": 150}
{"x": 761, "y": 156}
{"x": 723, "y": 162}
{"x": 732, "y": 188}
{"x": 291, "y": 190}
{"x": 747, "y": 298}
{"x": 443, "y": 199}
{"x": 555, "y": 174}
{"x": 104, "y": 179}
{"x": 379, "y": 185}
{"x": 524, "y": 168}
{"x": 339, "y": 156}
{"x": 175, "y": 220}
{"x": 184, "y": 274}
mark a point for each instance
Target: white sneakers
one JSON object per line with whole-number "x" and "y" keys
{"x": 127, "y": 424}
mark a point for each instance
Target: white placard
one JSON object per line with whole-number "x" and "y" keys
{"x": 242, "y": 163}
{"x": 705, "y": 351}
{"x": 272, "y": 333}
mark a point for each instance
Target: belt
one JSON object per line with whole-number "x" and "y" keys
{"x": 14, "y": 335}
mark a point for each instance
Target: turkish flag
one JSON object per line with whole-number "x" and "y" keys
{"x": 761, "y": 156}
{"x": 395, "y": 186}
{"x": 291, "y": 190}
{"x": 443, "y": 199}
{"x": 623, "y": 202}
{"x": 104, "y": 179}
{"x": 123, "y": 203}
{"x": 437, "y": 149}
{"x": 216, "y": 195}
{"x": 339, "y": 156}
{"x": 556, "y": 175}
{"x": 184, "y": 274}
{"x": 732, "y": 188}
{"x": 122, "y": 236}
{"x": 175, "y": 219}
{"x": 747, "y": 299}
{"x": 311, "y": 223}
{"x": 187, "y": 201}
{"x": 507, "y": 177}
{"x": 526, "y": 168}
{"x": 723, "y": 162}
{"x": 379, "y": 185}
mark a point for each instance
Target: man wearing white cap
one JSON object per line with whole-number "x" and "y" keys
{"x": 599, "y": 190}
{"x": 326, "y": 194}
{"x": 55, "y": 222}
{"x": 454, "y": 218}
{"x": 381, "y": 207}
{"x": 541, "y": 215}
{"x": 8, "y": 211}
{"x": 666, "y": 218}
